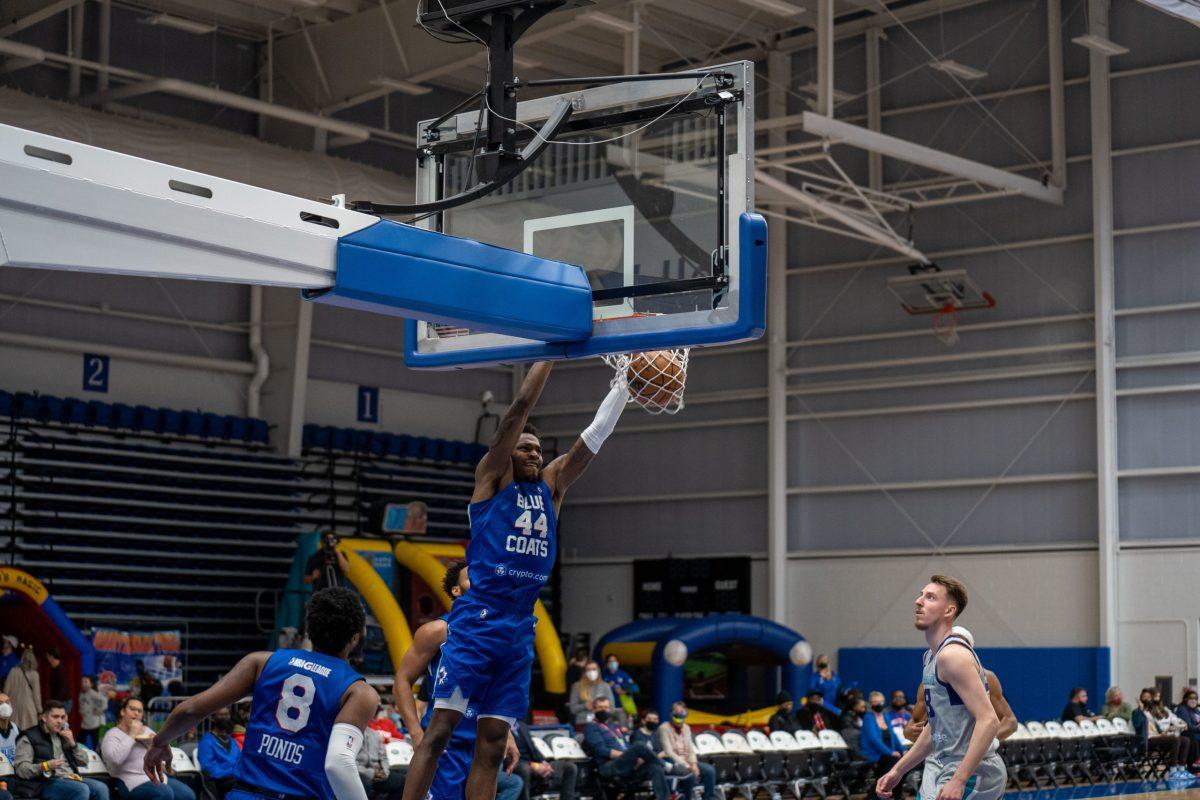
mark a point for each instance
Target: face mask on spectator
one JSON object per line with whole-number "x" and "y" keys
{"x": 877, "y": 706}
{"x": 593, "y": 674}
{"x": 897, "y": 703}
{"x": 613, "y": 666}
{"x": 5, "y": 710}
{"x": 602, "y": 717}
{"x": 678, "y": 718}
{"x": 651, "y": 722}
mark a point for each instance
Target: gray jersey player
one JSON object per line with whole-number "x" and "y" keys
{"x": 961, "y": 734}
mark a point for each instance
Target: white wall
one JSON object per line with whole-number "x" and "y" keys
{"x": 334, "y": 403}
{"x": 1159, "y": 616}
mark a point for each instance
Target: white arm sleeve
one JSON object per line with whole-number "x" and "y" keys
{"x": 341, "y": 766}
{"x": 606, "y": 418}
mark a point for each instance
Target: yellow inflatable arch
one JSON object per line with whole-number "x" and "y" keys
{"x": 422, "y": 560}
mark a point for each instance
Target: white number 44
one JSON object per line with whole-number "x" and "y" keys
{"x": 528, "y": 524}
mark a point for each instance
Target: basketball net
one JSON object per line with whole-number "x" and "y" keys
{"x": 945, "y": 325}
{"x": 654, "y": 379}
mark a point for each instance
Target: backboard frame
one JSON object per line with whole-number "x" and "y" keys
{"x": 736, "y": 316}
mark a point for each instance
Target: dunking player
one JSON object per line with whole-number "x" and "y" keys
{"x": 309, "y": 712}
{"x": 423, "y": 658}
{"x": 961, "y": 734}
{"x": 489, "y": 640}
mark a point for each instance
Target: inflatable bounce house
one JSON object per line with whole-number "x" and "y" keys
{"x": 673, "y": 649}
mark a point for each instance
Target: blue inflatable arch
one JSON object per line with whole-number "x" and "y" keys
{"x": 665, "y": 643}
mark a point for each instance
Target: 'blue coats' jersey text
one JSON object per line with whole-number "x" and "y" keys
{"x": 513, "y": 543}
{"x": 296, "y": 700}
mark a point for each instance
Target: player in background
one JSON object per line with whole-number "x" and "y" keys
{"x": 486, "y": 659}
{"x": 308, "y": 712}
{"x": 423, "y": 658}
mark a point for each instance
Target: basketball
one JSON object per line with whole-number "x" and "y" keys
{"x": 655, "y": 378}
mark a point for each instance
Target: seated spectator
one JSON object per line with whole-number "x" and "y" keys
{"x": 384, "y": 725}
{"x": 814, "y": 716}
{"x": 1158, "y": 734}
{"x": 784, "y": 719}
{"x": 1076, "y": 708}
{"x": 646, "y": 731}
{"x": 850, "y": 723}
{"x": 148, "y": 686}
{"x": 123, "y": 749}
{"x": 679, "y": 748}
{"x": 586, "y": 692}
{"x": 48, "y": 760}
{"x": 560, "y": 773}
{"x": 900, "y": 712}
{"x": 93, "y": 712}
{"x": 877, "y": 743}
{"x": 619, "y": 680}
{"x": 1115, "y": 705}
{"x": 1190, "y": 714}
{"x": 825, "y": 680}
{"x": 217, "y": 754}
{"x": 8, "y": 655}
{"x": 8, "y": 731}
{"x": 577, "y": 665}
{"x": 24, "y": 686}
{"x": 615, "y": 758}
{"x": 377, "y": 778}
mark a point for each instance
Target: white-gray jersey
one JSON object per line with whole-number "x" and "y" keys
{"x": 950, "y": 721}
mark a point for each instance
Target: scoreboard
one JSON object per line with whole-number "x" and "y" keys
{"x": 691, "y": 587}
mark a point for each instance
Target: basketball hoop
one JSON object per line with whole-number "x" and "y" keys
{"x": 945, "y": 324}
{"x": 654, "y": 379}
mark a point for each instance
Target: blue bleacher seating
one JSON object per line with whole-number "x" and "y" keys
{"x": 215, "y": 427}
{"x": 99, "y": 413}
{"x": 148, "y": 419}
{"x": 259, "y": 430}
{"x": 76, "y": 411}
{"x": 123, "y": 416}
{"x": 25, "y": 405}
{"x": 6, "y": 404}
{"x": 51, "y": 408}
{"x": 170, "y": 422}
{"x": 238, "y": 428}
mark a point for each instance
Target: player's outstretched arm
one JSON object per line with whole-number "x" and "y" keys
{"x": 957, "y": 667}
{"x": 493, "y": 466}
{"x": 566, "y": 469}
{"x": 913, "y": 756}
{"x": 346, "y": 739}
{"x": 1004, "y": 712}
{"x": 236, "y": 684}
{"x": 426, "y": 641}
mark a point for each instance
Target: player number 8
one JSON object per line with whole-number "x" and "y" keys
{"x": 527, "y": 524}
{"x": 288, "y": 699}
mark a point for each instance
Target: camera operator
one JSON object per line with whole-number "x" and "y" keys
{"x": 327, "y": 566}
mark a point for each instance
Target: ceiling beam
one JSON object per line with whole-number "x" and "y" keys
{"x": 28, "y": 14}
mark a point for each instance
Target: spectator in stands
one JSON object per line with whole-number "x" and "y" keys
{"x": 416, "y": 520}
{"x": 8, "y": 731}
{"x": 123, "y": 749}
{"x": 646, "y": 731}
{"x": 384, "y": 725}
{"x": 900, "y": 713}
{"x": 56, "y": 678}
{"x": 1115, "y": 705}
{"x": 24, "y": 686}
{"x": 217, "y": 755}
{"x": 148, "y": 685}
{"x": 784, "y": 718}
{"x": 327, "y": 566}
{"x": 377, "y": 778}
{"x": 1158, "y": 734}
{"x": 877, "y": 743}
{"x": 8, "y": 655}
{"x": 48, "y": 760}
{"x": 851, "y": 722}
{"x": 827, "y": 682}
{"x": 615, "y": 758}
{"x": 533, "y": 765}
{"x": 577, "y": 665}
{"x": 587, "y": 692}
{"x": 814, "y": 716}
{"x": 1076, "y": 708}
{"x": 1190, "y": 714}
{"x": 93, "y": 712}
{"x": 679, "y": 748}
{"x": 618, "y": 679}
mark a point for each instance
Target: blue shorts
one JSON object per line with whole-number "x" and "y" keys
{"x": 486, "y": 659}
{"x": 453, "y": 767}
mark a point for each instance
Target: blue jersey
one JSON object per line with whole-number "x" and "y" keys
{"x": 454, "y": 765}
{"x": 296, "y": 700}
{"x": 512, "y": 543}
{"x": 464, "y": 733}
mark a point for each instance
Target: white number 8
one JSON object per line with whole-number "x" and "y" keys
{"x": 288, "y": 699}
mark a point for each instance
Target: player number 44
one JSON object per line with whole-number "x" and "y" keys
{"x": 528, "y": 524}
